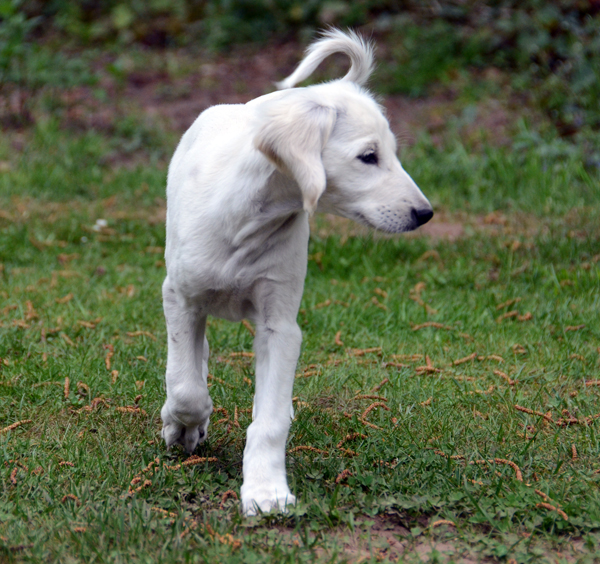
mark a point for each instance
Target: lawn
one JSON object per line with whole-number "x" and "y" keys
{"x": 447, "y": 395}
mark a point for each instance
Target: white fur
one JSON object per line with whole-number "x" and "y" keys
{"x": 240, "y": 189}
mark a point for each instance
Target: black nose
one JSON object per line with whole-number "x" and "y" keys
{"x": 422, "y": 216}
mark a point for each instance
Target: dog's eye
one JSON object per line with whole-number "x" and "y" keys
{"x": 369, "y": 158}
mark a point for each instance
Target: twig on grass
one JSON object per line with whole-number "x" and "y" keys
{"x": 380, "y": 385}
{"x": 362, "y": 352}
{"x": 442, "y": 522}
{"x": 370, "y": 396}
{"x": 93, "y": 405}
{"x": 472, "y": 356}
{"x": 372, "y": 407}
{"x": 223, "y": 539}
{"x": 308, "y": 373}
{"x": 145, "y": 484}
{"x": 141, "y": 334}
{"x": 552, "y": 508}
{"x": 343, "y": 475}
{"x": 507, "y": 315}
{"x": 351, "y": 437}
{"x": 433, "y": 324}
{"x": 495, "y": 357}
{"x": 505, "y": 376}
{"x": 394, "y": 365}
{"x": 191, "y": 526}
{"x": 226, "y": 496}
{"x": 249, "y": 327}
{"x": 15, "y": 425}
{"x": 415, "y": 295}
{"x": 109, "y": 355}
{"x": 131, "y": 409}
{"x": 518, "y": 474}
{"x": 166, "y": 513}
{"x": 546, "y": 416}
{"x": 192, "y": 461}
{"x": 222, "y": 382}
{"x": 378, "y": 304}
{"x": 243, "y": 354}
{"x": 369, "y": 424}
{"x": 451, "y": 457}
{"x": 508, "y": 303}
{"x": 428, "y": 370}
{"x": 409, "y": 357}
{"x": 67, "y": 340}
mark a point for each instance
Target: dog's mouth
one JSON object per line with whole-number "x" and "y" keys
{"x": 360, "y": 218}
{"x": 386, "y": 227}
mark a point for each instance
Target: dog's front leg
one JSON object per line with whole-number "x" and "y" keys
{"x": 265, "y": 487}
{"x": 187, "y": 409}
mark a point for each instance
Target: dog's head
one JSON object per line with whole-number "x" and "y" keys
{"x": 335, "y": 142}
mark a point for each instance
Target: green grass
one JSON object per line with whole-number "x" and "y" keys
{"x": 57, "y": 272}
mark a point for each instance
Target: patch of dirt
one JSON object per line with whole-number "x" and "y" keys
{"x": 446, "y": 230}
{"x": 385, "y": 538}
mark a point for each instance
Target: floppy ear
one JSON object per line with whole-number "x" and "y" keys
{"x": 292, "y": 133}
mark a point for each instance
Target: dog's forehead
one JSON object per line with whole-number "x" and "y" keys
{"x": 361, "y": 116}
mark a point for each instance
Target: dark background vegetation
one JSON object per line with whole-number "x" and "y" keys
{"x": 550, "y": 49}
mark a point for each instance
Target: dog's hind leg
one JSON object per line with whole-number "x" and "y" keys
{"x": 187, "y": 410}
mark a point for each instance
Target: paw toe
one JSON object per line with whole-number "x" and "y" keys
{"x": 190, "y": 438}
{"x": 261, "y": 504}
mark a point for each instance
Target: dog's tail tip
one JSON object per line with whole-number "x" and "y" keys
{"x": 333, "y": 40}
{"x": 360, "y": 51}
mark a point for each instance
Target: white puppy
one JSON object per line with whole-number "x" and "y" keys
{"x": 241, "y": 186}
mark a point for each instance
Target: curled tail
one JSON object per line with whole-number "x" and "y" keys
{"x": 333, "y": 41}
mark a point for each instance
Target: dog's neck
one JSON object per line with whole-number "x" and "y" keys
{"x": 273, "y": 210}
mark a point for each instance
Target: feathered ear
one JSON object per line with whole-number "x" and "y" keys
{"x": 292, "y": 133}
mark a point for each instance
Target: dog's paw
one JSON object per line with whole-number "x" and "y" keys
{"x": 266, "y": 499}
{"x": 184, "y": 429}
